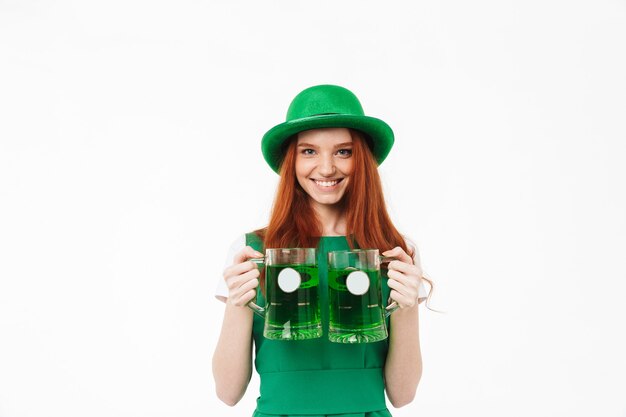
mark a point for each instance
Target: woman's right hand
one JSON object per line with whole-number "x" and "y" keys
{"x": 242, "y": 277}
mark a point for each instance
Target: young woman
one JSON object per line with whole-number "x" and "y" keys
{"x": 330, "y": 198}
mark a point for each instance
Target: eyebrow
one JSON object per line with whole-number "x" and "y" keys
{"x": 309, "y": 145}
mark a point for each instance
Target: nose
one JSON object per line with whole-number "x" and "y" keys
{"x": 327, "y": 166}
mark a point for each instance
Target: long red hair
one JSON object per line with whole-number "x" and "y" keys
{"x": 293, "y": 222}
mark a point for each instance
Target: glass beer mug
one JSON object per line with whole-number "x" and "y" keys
{"x": 292, "y": 310}
{"x": 357, "y": 314}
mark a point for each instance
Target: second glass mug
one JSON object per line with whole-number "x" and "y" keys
{"x": 292, "y": 310}
{"x": 357, "y": 314}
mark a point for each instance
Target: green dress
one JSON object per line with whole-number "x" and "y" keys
{"x": 316, "y": 377}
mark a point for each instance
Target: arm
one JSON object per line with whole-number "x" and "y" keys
{"x": 232, "y": 359}
{"x": 403, "y": 366}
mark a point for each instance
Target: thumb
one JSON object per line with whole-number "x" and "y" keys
{"x": 247, "y": 253}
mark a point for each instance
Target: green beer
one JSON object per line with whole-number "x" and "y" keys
{"x": 292, "y": 310}
{"x": 357, "y": 312}
{"x": 292, "y": 303}
{"x": 355, "y": 318}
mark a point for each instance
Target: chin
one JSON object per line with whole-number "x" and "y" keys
{"x": 327, "y": 201}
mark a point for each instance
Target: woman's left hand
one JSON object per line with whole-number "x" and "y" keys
{"x": 404, "y": 278}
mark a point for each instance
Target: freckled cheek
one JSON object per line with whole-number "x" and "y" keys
{"x": 348, "y": 168}
{"x": 302, "y": 179}
{"x": 302, "y": 172}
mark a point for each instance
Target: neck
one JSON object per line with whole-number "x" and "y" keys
{"x": 332, "y": 218}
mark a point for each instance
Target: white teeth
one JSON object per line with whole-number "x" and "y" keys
{"x": 326, "y": 183}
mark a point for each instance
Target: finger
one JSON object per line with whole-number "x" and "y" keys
{"x": 245, "y": 254}
{"x": 406, "y": 268}
{"x": 398, "y": 253}
{"x": 397, "y": 285}
{"x": 240, "y": 268}
{"x": 248, "y": 296}
{"x": 396, "y": 298}
{"x": 402, "y": 300}
{"x": 248, "y": 285}
{"x": 412, "y": 281}
{"x": 243, "y": 299}
{"x": 236, "y": 281}
{"x": 407, "y": 291}
{"x": 392, "y": 305}
{"x": 246, "y": 292}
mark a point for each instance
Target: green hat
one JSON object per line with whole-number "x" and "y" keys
{"x": 326, "y": 106}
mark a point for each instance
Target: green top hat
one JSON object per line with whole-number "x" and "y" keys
{"x": 326, "y": 106}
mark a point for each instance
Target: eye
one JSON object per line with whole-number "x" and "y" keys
{"x": 308, "y": 151}
{"x": 345, "y": 152}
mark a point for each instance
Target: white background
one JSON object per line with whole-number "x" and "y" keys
{"x": 130, "y": 160}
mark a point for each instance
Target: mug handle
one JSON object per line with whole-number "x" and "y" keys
{"x": 258, "y": 310}
{"x": 394, "y": 305}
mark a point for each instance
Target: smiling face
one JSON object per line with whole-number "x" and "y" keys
{"x": 324, "y": 164}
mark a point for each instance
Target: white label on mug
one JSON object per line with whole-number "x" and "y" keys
{"x": 289, "y": 280}
{"x": 358, "y": 282}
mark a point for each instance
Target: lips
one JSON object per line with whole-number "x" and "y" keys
{"x": 327, "y": 183}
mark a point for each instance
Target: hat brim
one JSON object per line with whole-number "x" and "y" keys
{"x": 380, "y": 136}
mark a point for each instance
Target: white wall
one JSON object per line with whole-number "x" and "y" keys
{"x": 130, "y": 159}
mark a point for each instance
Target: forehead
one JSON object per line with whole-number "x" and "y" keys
{"x": 326, "y": 136}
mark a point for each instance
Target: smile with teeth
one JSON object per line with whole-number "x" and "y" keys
{"x": 327, "y": 183}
